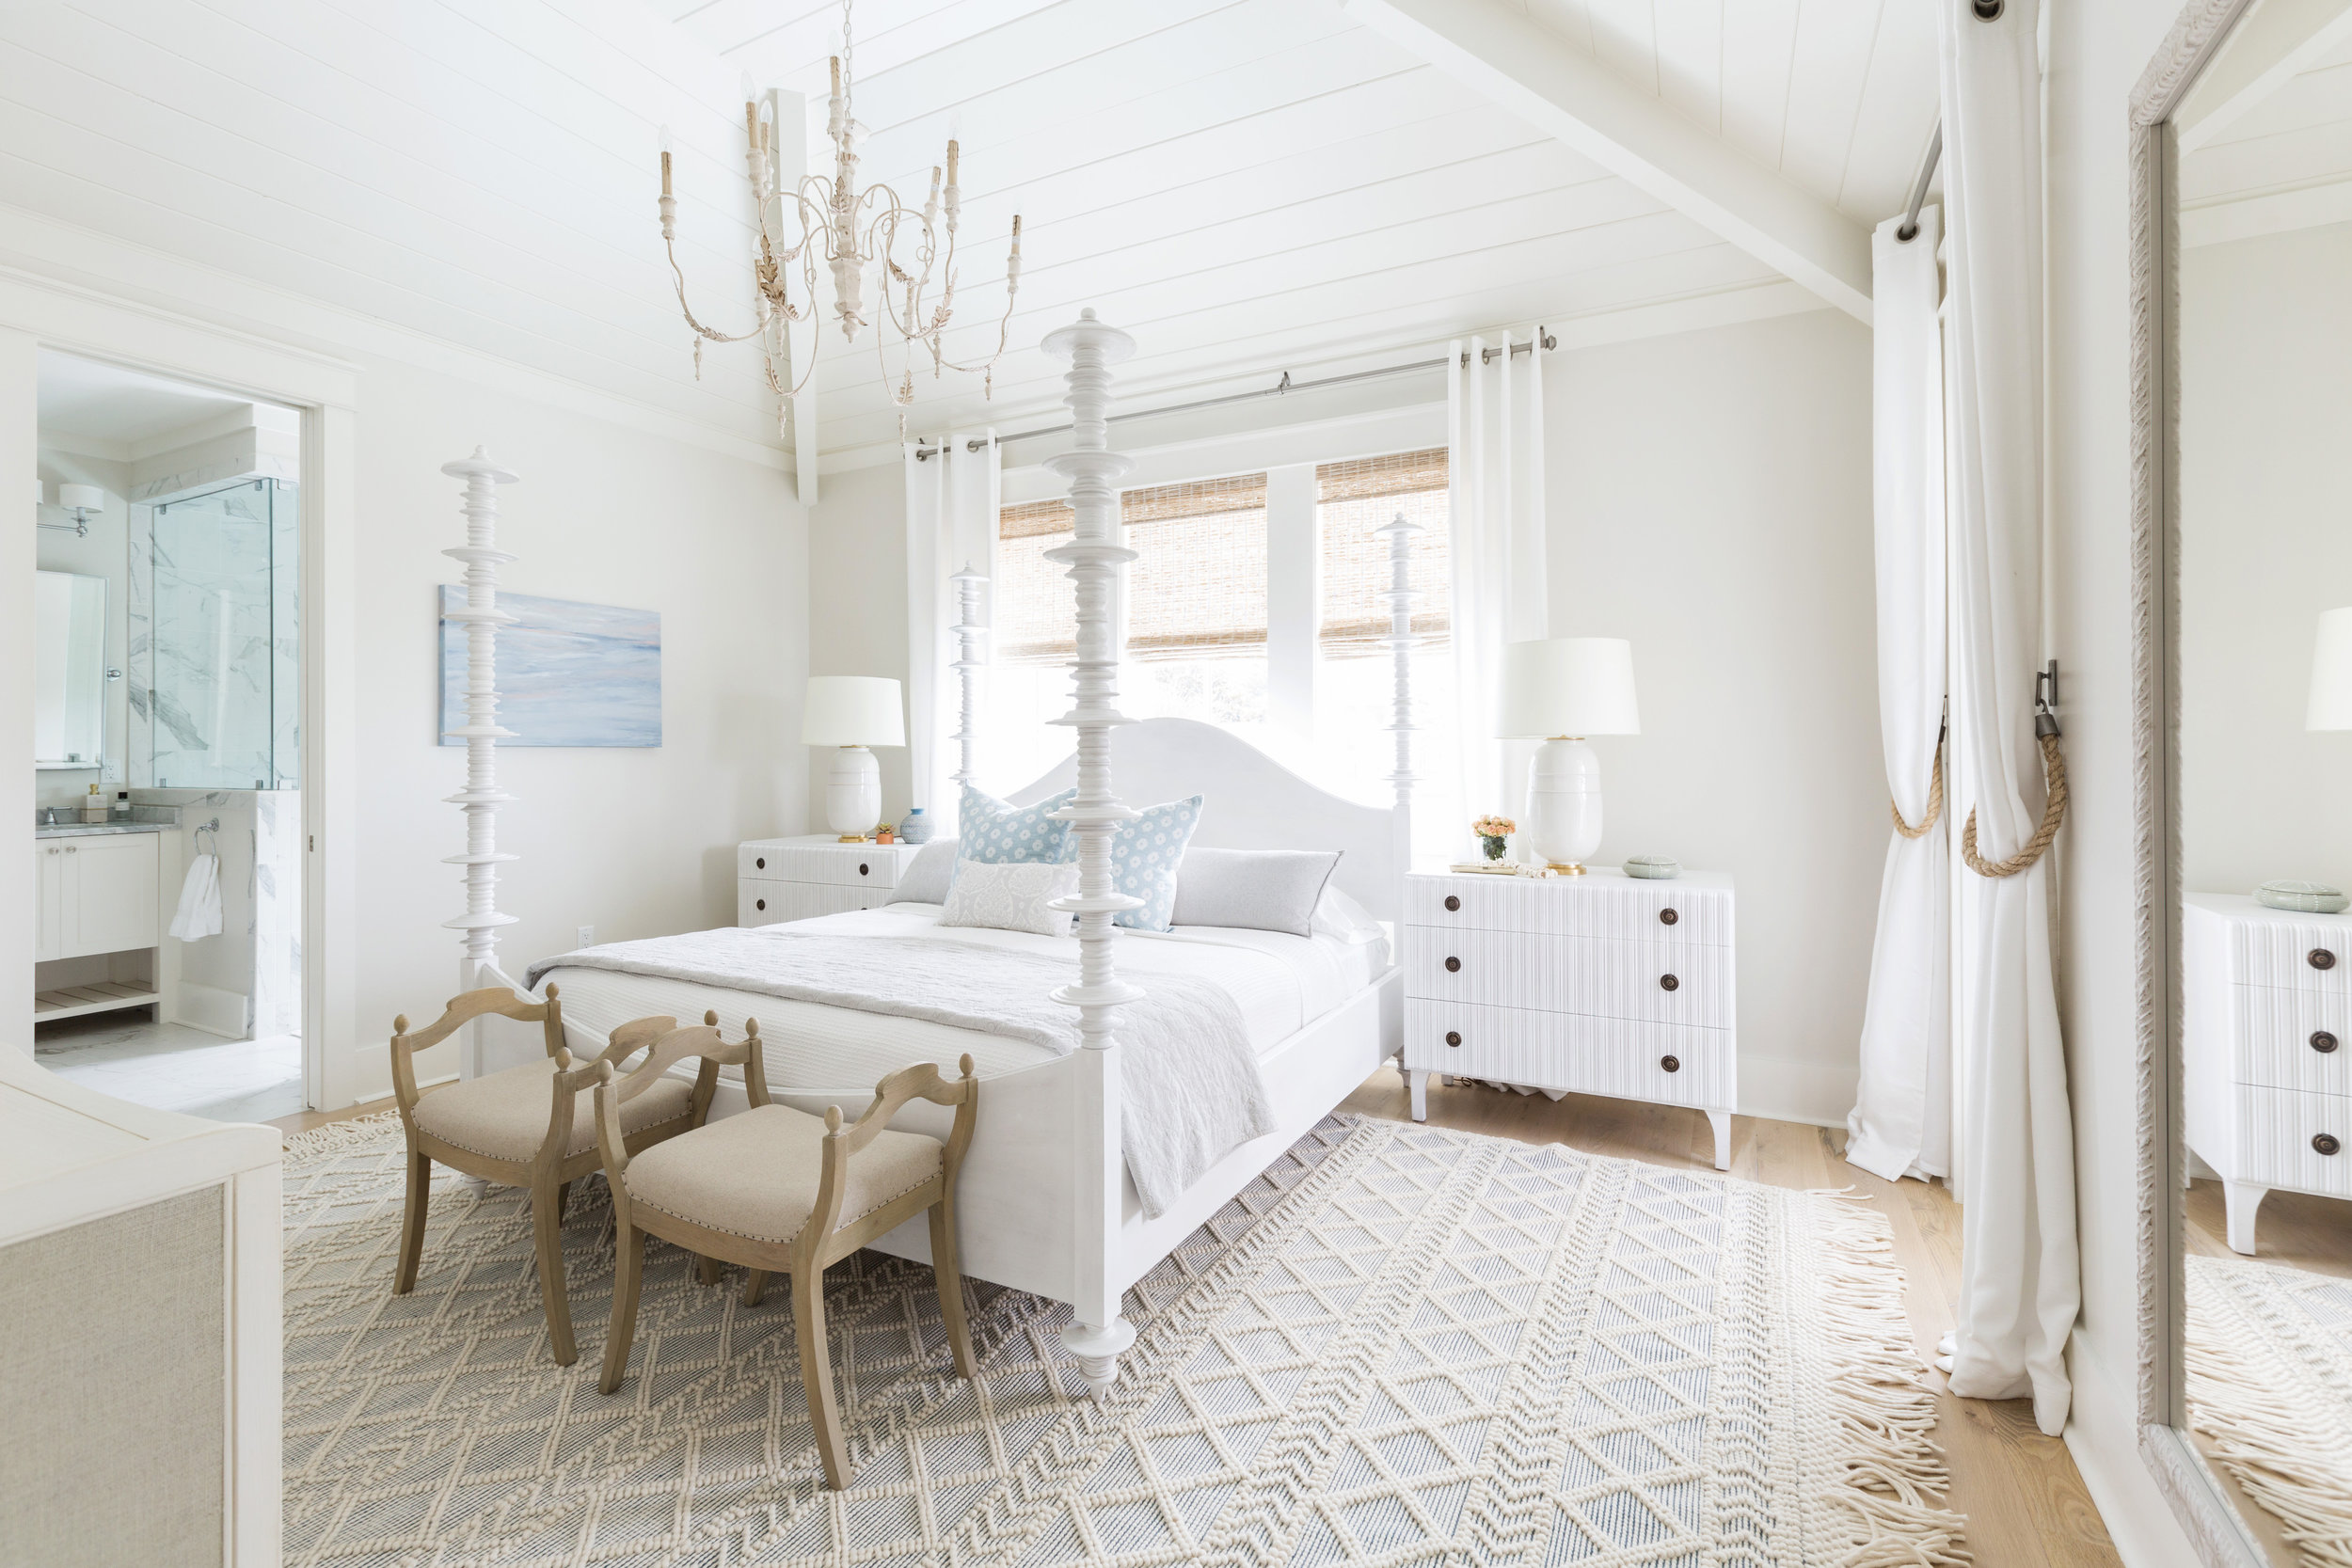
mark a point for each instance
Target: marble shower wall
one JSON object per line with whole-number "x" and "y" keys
{"x": 214, "y": 639}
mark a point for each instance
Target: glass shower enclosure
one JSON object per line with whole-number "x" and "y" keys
{"x": 214, "y": 640}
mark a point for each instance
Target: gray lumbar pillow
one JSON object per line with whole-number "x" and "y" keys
{"x": 1260, "y": 890}
{"x": 925, "y": 877}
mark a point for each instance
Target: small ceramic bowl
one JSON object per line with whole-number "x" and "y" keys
{"x": 2302, "y": 898}
{"x": 1652, "y": 867}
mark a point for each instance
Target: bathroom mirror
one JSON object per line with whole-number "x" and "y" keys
{"x": 2244, "y": 390}
{"x": 69, "y": 670}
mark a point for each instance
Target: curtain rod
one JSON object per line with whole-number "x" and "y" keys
{"x": 1910, "y": 229}
{"x": 1279, "y": 389}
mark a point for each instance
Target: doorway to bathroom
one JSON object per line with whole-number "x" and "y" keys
{"x": 167, "y": 962}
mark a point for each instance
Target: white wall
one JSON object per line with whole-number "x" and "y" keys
{"x": 2096, "y": 51}
{"x": 1709, "y": 499}
{"x": 2265, "y": 400}
{"x": 634, "y": 841}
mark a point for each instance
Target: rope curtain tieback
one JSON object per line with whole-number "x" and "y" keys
{"x": 2053, "y": 772}
{"x": 1935, "y": 800}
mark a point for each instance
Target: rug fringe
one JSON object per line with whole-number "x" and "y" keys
{"x": 1891, "y": 1469}
{"x": 2264, "y": 1437}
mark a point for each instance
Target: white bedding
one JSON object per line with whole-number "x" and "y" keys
{"x": 1279, "y": 982}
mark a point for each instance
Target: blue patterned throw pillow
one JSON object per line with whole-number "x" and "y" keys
{"x": 1144, "y": 859}
{"x": 996, "y": 833}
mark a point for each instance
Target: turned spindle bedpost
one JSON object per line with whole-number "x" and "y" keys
{"x": 481, "y": 798}
{"x": 1096, "y": 1333}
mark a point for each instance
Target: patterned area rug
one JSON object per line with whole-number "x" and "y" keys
{"x": 1402, "y": 1345}
{"x": 2269, "y": 1355}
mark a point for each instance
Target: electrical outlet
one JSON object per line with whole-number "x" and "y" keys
{"x": 587, "y": 936}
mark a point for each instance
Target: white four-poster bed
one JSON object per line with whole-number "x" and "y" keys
{"x": 1045, "y": 1203}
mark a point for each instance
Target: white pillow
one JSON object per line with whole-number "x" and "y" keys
{"x": 1011, "y": 898}
{"x": 1338, "y": 916}
{"x": 927, "y": 875}
{"x": 1265, "y": 890}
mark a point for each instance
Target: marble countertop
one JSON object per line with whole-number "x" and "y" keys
{"x": 91, "y": 830}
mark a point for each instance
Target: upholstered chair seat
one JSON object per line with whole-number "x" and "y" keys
{"x": 532, "y": 1126}
{"x": 504, "y": 1115}
{"x": 778, "y": 1191}
{"x": 757, "y": 1175}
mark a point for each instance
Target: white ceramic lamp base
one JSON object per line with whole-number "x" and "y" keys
{"x": 1563, "y": 803}
{"x": 853, "y": 793}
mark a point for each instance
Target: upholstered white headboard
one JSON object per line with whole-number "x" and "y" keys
{"x": 1250, "y": 802}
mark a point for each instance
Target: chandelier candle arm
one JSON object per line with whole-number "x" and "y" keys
{"x": 826, "y": 211}
{"x": 1097, "y": 1334}
{"x": 477, "y": 964}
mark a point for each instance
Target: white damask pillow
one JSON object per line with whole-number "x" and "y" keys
{"x": 1011, "y": 898}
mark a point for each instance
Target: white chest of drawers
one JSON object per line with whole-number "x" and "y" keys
{"x": 1600, "y": 984}
{"x": 2267, "y": 1026}
{"x": 794, "y": 878}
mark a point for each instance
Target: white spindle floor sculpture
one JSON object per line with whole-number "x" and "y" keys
{"x": 481, "y": 798}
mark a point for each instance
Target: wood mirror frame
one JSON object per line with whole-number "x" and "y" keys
{"x": 2200, "y": 1501}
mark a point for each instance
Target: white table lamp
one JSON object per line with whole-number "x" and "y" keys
{"x": 2330, "y": 705}
{"x": 1559, "y": 690}
{"x": 853, "y": 712}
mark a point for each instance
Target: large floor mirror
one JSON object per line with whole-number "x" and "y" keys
{"x": 2246, "y": 283}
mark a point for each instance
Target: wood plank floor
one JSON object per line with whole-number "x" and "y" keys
{"x": 2026, "y": 1504}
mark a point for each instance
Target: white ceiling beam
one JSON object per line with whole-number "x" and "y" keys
{"x": 2277, "y": 41}
{"x": 1517, "y": 64}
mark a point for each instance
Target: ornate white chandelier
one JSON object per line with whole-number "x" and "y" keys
{"x": 856, "y": 232}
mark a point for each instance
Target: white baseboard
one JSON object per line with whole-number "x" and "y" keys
{"x": 226, "y": 1013}
{"x": 1792, "y": 1088}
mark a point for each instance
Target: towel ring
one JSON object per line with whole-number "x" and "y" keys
{"x": 212, "y": 827}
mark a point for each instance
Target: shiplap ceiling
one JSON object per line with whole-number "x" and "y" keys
{"x": 1258, "y": 186}
{"x": 2280, "y": 157}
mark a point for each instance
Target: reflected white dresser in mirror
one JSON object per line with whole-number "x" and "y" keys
{"x": 2242, "y": 385}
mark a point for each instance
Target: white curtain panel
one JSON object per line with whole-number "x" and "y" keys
{"x": 952, "y": 500}
{"x": 1495, "y": 466}
{"x": 2020, "y": 1267}
{"x": 1902, "y": 1118}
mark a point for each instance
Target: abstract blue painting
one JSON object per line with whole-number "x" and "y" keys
{"x": 568, "y": 674}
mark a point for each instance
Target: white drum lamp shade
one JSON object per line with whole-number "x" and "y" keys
{"x": 2330, "y": 703}
{"x": 81, "y": 498}
{"x": 852, "y": 713}
{"x": 1560, "y": 690}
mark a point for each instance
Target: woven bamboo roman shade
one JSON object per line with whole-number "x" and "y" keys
{"x": 1035, "y": 613}
{"x": 1352, "y": 500}
{"x": 1197, "y": 588}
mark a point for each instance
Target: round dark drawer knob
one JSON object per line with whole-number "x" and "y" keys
{"x": 1667, "y": 982}
{"x": 2319, "y": 957}
{"x": 1672, "y": 1064}
{"x": 1452, "y": 1037}
{"x": 2326, "y": 1142}
{"x": 1454, "y": 966}
{"x": 1667, "y": 917}
{"x": 1451, "y": 903}
{"x": 760, "y": 904}
{"x": 2322, "y": 1041}
{"x": 861, "y": 868}
{"x": 761, "y": 863}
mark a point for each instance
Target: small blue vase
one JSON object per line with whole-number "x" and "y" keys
{"x": 916, "y": 829}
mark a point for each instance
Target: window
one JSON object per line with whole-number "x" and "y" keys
{"x": 1295, "y": 664}
{"x": 1196, "y": 608}
{"x": 1352, "y": 500}
{"x": 1355, "y": 682}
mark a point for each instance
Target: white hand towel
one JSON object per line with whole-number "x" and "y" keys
{"x": 200, "y": 900}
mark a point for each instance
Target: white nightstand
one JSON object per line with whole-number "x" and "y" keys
{"x": 2267, "y": 999}
{"x": 1600, "y": 984}
{"x": 793, "y": 878}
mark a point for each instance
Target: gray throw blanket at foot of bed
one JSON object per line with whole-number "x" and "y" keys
{"x": 1190, "y": 1089}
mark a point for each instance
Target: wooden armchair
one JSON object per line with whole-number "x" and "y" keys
{"x": 780, "y": 1192}
{"x": 528, "y": 1126}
